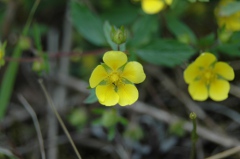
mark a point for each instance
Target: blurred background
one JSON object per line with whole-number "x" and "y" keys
{"x": 62, "y": 41}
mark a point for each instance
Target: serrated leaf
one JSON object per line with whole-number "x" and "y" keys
{"x": 87, "y": 24}
{"x": 230, "y": 49}
{"x": 121, "y": 15}
{"x": 143, "y": 30}
{"x": 206, "y": 41}
{"x": 166, "y": 52}
{"x": 180, "y": 30}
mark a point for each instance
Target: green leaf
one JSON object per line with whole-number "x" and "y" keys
{"x": 92, "y": 98}
{"x": 166, "y": 52}
{"x": 12, "y": 68}
{"x": 180, "y": 30}
{"x": 37, "y": 37}
{"x": 123, "y": 121}
{"x": 143, "y": 30}
{"x": 177, "y": 128}
{"x": 98, "y": 111}
{"x": 8, "y": 81}
{"x": 87, "y": 24}
{"x": 230, "y": 49}
{"x": 111, "y": 133}
{"x": 230, "y": 8}
{"x": 107, "y": 31}
{"x": 206, "y": 41}
{"x": 121, "y": 15}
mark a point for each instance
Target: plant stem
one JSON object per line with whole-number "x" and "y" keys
{"x": 194, "y": 135}
{"x": 59, "y": 118}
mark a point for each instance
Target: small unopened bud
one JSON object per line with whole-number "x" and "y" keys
{"x": 118, "y": 36}
{"x": 192, "y": 116}
{"x": 38, "y": 66}
{"x": 24, "y": 43}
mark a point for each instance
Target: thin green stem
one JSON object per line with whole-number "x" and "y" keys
{"x": 30, "y": 17}
{"x": 59, "y": 118}
{"x": 11, "y": 71}
{"x": 194, "y": 135}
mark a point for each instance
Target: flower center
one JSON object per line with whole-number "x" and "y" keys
{"x": 114, "y": 77}
{"x": 208, "y": 76}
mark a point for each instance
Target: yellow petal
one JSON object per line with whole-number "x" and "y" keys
{"x": 205, "y": 60}
{"x": 191, "y": 73}
{"x": 152, "y": 6}
{"x": 98, "y": 75}
{"x": 224, "y": 70}
{"x": 114, "y": 59}
{"x": 219, "y": 89}
{"x": 198, "y": 90}
{"x": 133, "y": 71}
{"x": 128, "y": 94}
{"x": 106, "y": 95}
{"x": 169, "y": 2}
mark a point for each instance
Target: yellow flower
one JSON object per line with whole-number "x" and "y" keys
{"x": 114, "y": 79}
{"x": 230, "y": 22}
{"x": 154, "y": 6}
{"x": 2, "y": 53}
{"x": 207, "y": 77}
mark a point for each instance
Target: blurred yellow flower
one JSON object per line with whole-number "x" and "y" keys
{"x": 230, "y": 22}
{"x": 114, "y": 79}
{"x": 2, "y": 53}
{"x": 154, "y": 6}
{"x": 207, "y": 77}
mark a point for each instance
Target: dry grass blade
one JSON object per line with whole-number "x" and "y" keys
{"x": 59, "y": 118}
{"x": 226, "y": 153}
{"x": 36, "y": 123}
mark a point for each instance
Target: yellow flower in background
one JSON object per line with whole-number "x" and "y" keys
{"x": 154, "y": 6}
{"x": 2, "y": 53}
{"x": 114, "y": 79}
{"x": 230, "y": 22}
{"x": 207, "y": 77}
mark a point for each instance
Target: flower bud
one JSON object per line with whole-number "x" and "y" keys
{"x": 2, "y": 53}
{"x": 24, "y": 43}
{"x": 118, "y": 36}
{"x": 192, "y": 116}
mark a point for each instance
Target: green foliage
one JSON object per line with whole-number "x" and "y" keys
{"x": 193, "y": 1}
{"x": 91, "y": 98}
{"x": 8, "y": 81}
{"x": 121, "y": 15}
{"x": 87, "y": 24}
{"x": 78, "y": 117}
{"x": 11, "y": 71}
{"x": 180, "y": 30}
{"x": 166, "y": 52}
{"x": 177, "y": 129}
{"x": 143, "y": 30}
{"x": 134, "y": 132}
{"x": 230, "y": 8}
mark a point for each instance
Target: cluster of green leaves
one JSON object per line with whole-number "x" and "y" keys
{"x": 144, "y": 38}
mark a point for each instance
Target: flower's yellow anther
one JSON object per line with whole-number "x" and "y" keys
{"x": 114, "y": 77}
